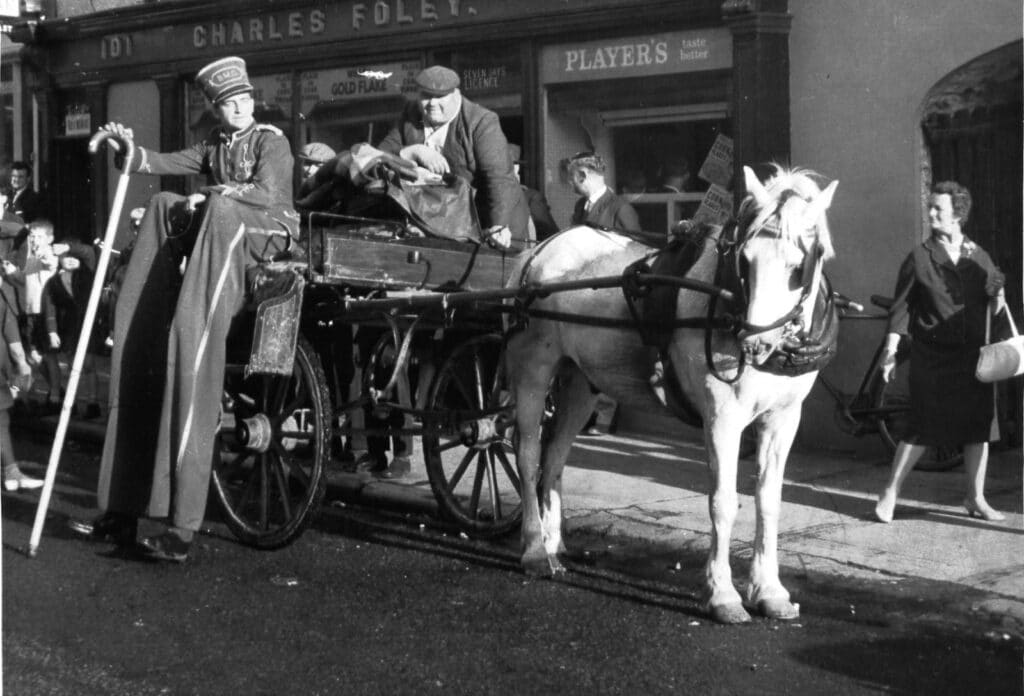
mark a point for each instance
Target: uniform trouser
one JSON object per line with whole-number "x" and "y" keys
{"x": 167, "y": 367}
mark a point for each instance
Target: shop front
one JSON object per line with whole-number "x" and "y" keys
{"x": 563, "y": 77}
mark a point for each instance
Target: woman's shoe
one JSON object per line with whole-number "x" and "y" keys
{"x": 885, "y": 507}
{"x": 16, "y": 480}
{"x": 983, "y": 510}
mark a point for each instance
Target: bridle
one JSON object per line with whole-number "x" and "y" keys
{"x": 732, "y": 275}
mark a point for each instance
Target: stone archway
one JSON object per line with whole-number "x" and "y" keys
{"x": 972, "y": 129}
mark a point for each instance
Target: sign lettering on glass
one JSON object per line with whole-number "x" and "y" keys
{"x": 686, "y": 51}
{"x": 350, "y": 84}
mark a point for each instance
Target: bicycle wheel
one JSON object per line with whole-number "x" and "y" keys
{"x": 892, "y": 401}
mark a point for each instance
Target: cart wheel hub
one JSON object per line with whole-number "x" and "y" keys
{"x": 255, "y": 433}
{"x": 479, "y": 434}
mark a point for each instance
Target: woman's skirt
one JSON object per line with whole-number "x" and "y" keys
{"x": 948, "y": 405}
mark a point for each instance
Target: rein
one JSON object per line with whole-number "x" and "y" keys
{"x": 637, "y": 280}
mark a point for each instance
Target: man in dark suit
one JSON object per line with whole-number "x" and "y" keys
{"x": 446, "y": 133}
{"x": 598, "y": 205}
{"x": 22, "y": 200}
{"x": 544, "y": 224}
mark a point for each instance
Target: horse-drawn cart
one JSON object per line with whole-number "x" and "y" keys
{"x": 290, "y": 401}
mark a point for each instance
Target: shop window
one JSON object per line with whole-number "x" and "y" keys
{"x": 492, "y": 76}
{"x": 658, "y": 159}
{"x": 356, "y": 104}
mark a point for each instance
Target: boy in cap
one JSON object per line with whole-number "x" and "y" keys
{"x": 168, "y": 357}
{"x": 447, "y": 133}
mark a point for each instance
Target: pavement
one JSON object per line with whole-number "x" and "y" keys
{"x": 649, "y": 489}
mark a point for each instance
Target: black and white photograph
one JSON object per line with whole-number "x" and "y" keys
{"x": 597, "y": 347}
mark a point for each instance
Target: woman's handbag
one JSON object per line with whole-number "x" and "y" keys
{"x": 1003, "y": 359}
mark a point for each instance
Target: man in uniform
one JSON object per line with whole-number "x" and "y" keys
{"x": 170, "y": 330}
{"x": 444, "y": 132}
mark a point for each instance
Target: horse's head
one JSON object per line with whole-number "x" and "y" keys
{"x": 783, "y": 240}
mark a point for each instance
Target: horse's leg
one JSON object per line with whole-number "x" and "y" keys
{"x": 765, "y": 591}
{"x": 530, "y": 369}
{"x": 722, "y": 437}
{"x": 574, "y": 402}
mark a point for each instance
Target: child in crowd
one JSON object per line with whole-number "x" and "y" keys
{"x": 65, "y": 299}
{"x": 15, "y": 377}
{"x": 39, "y": 264}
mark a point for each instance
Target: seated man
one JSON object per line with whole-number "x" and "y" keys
{"x": 447, "y": 133}
{"x": 170, "y": 332}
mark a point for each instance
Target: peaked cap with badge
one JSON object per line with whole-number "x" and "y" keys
{"x": 224, "y": 78}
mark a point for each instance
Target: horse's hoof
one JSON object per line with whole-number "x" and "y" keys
{"x": 780, "y": 609}
{"x": 543, "y": 567}
{"x": 729, "y": 614}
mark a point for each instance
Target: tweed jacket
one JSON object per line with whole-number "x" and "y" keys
{"x": 477, "y": 151}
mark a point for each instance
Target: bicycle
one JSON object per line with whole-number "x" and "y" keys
{"x": 880, "y": 407}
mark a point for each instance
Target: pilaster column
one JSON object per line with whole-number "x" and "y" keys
{"x": 760, "y": 100}
{"x": 171, "y": 119}
{"x": 96, "y": 101}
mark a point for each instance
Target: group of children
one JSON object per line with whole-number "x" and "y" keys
{"x": 44, "y": 289}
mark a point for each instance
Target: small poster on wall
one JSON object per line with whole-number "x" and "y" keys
{"x": 716, "y": 207}
{"x": 717, "y": 168}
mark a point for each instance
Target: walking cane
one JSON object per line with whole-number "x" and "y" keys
{"x": 116, "y": 142}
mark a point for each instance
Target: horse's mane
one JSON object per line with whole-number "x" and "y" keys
{"x": 782, "y": 184}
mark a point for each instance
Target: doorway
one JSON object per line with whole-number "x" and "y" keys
{"x": 71, "y": 203}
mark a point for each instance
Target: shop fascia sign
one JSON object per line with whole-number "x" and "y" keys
{"x": 635, "y": 56}
{"x": 321, "y": 23}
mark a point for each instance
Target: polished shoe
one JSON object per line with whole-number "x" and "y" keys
{"x": 165, "y": 547}
{"x": 984, "y": 511}
{"x": 398, "y": 468}
{"x": 592, "y": 431}
{"x": 109, "y": 527}
{"x": 18, "y": 481}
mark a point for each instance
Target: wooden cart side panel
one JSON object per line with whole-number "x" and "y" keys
{"x": 388, "y": 264}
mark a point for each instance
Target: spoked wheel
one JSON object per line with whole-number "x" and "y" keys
{"x": 470, "y": 457}
{"x": 274, "y": 444}
{"x": 892, "y": 400}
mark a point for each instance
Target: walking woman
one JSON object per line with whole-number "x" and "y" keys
{"x": 945, "y": 287}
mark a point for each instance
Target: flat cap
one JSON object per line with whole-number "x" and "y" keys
{"x": 318, "y": 153}
{"x": 224, "y": 78}
{"x": 437, "y": 81}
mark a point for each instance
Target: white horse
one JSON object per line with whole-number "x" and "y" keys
{"x": 776, "y": 256}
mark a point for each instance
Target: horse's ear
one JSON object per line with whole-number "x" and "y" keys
{"x": 819, "y": 205}
{"x": 756, "y": 189}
